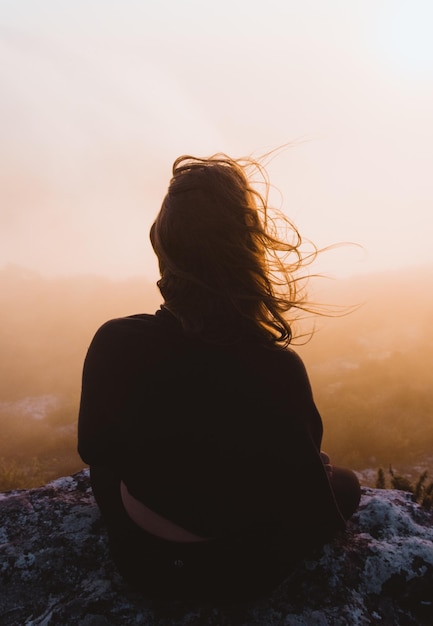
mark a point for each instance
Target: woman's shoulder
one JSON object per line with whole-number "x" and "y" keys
{"x": 284, "y": 366}
{"x": 124, "y": 325}
{"x": 118, "y": 330}
{"x": 131, "y": 329}
{"x": 133, "y": 323}
{"x": 285, "y": 356}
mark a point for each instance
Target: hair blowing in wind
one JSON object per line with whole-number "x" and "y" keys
{"x": 218, "y": 240}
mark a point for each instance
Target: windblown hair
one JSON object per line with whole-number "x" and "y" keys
{"x": 222, "y": 256}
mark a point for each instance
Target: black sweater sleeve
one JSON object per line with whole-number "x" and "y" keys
{"x": 104, "y": 384}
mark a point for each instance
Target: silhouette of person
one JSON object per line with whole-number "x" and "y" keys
{"x": 198, "y": 422}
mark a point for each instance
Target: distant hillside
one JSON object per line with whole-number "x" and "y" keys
{"x": 370, "y": 370}
{"x": 46, "y": 325}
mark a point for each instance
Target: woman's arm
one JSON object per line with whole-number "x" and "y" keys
{"x": 326, "y": 462}
{"x": 101, "y": 390}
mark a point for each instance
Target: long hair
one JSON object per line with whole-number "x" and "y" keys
{"x": 222, "y": 256}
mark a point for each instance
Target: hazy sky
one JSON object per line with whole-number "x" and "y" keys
{"x": 98, "y": 97}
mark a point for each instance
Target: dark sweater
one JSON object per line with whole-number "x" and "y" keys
{"x": 218, "y": 438}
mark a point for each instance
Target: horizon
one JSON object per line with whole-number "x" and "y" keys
{"x": 337, "y": 277}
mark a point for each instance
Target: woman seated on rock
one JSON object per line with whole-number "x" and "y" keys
{"x": 198, "y": 422}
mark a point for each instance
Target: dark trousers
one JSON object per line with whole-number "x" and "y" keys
{"x": 241, "y": 568}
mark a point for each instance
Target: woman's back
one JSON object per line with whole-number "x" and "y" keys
{"x": 217, "y": 429}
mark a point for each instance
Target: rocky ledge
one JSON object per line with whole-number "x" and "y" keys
{"x": 55, "y": 569}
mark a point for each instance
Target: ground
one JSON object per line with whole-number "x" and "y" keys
{"x": 55, "y": 569}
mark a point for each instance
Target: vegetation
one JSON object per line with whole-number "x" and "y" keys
{"x": 371, "y": 371}
{"x": 35, "y": 451}
{"x": 420, "y": 490}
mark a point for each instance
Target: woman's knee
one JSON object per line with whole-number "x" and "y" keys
{"x": 347, "y": 490}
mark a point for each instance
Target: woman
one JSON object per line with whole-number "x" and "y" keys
{"x": 198, "y": 422}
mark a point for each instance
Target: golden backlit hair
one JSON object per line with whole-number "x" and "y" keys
{"x": 222, "y": 255}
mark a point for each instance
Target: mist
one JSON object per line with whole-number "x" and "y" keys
{"x": 97, "y": 101}
{"x": 370, "y": 369}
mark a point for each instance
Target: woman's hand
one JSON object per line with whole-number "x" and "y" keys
{"x": 326, "y": 462}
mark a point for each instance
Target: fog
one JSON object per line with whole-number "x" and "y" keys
{"x": 98, "y": 99}
{"x": 370, "y": 369}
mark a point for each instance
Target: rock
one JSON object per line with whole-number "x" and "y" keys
{"x": 55, "y": 569}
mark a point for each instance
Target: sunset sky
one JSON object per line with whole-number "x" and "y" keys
{"x": 98, "y": 97}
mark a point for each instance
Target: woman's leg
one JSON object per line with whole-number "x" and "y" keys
{"x": 167, "y": 569}
{"x": 124, "y": 536}
{"x": 347, "y": 490}
{"x": 106, "y": 489}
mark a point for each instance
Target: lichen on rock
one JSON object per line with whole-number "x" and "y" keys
{"x": 55, "y": 569}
